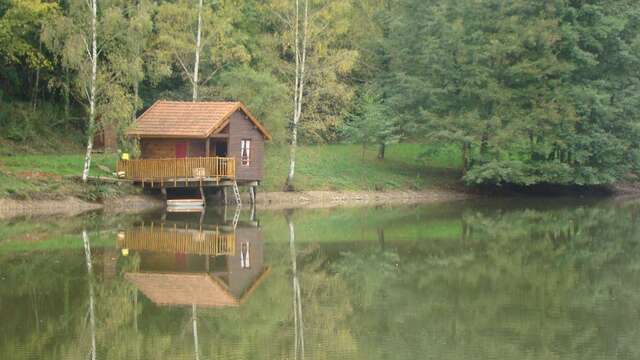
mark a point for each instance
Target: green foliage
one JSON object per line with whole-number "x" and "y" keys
{"x": 529, "y": 92}
{"x": 20, "y": 24}
{"x": 263, "y": 93}
{"x": 532, "y": 92}
{"x": 371, "y": 122}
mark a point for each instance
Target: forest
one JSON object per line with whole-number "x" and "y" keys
{"x": 527, "y": 92}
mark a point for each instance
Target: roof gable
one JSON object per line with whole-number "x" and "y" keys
{"x": 182, "y": 289}
{"x": 184, "y": 119}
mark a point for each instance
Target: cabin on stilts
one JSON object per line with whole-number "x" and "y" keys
{"x": 195, "y": 145}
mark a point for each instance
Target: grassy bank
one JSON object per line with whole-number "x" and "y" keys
{"x": 322, "y": 167}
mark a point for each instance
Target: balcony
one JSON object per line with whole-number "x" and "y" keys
{"x": 183, "y": 171}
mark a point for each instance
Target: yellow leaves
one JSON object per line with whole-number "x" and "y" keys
{"x": 346, "y": 61}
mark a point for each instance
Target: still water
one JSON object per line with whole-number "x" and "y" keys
{"x": 509, "y": 279}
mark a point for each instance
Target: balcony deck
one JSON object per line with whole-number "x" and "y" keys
{"x": 183, "y": 171}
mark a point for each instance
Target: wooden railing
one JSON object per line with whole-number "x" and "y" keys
{"x": 184, "y": 169}
{"x": 177, "y": 240}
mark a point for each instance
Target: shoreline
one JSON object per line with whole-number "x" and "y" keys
{"x": 71, "y": 206}
{"x": 274, "y": 200}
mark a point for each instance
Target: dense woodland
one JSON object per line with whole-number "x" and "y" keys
{"x": 530, "y": 92}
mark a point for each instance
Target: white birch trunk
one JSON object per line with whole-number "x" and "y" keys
{"x": 92, "y": 316}
{"x": 301, "y": 55}
{"x": 197, "y": 60}
{"x": 194, "y": 320}
{"x": 297, "y": 297}
{"x": 92, "y": 95}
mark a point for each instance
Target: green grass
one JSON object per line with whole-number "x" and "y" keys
{"x": 342, "y": 167}
{"x": 321, "y": 167}
{"x": 49, "y": 175}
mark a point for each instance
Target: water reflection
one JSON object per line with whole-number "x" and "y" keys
{"x": 482, "y": 280}
{"x": 186, "y": 260}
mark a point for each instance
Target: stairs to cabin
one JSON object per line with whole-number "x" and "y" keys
{"x": 236, "y": 193}
{"x": 185, "y": 200}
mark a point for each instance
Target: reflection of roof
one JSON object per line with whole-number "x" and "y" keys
{"x": 187, "y": 289}
{"x": 176, "y": 240}
{"x": 183, "y": 289}
{"x": 188, "y": 119}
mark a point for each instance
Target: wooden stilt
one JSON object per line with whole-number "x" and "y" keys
{"x": 252, "y": 194}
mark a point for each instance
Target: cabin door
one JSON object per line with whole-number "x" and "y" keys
{"x": 181, "y": 150}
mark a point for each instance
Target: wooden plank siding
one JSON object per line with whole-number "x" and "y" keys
{"x": 240, "y": 128}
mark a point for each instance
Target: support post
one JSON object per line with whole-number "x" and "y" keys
{"x": 252, "y": 194}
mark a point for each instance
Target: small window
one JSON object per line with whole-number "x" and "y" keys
{"x": 244, "y": 256}
{"x": 245, "y": 152}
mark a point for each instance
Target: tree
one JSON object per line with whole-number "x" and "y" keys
{"x": 530, "y": 91}
{"x": 208, "y": 48}
{"x": 95, "y": 50}
{"x": 20, "y": 27}
{"x": 371, "y": 123}
{"x": 300, "y": 51}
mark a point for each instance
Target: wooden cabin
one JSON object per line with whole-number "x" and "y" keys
{"x": 206, "y": 143}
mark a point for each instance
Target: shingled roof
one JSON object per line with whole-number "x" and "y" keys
{"x": 184, "y": 119}
{"x": 182, "y": 289}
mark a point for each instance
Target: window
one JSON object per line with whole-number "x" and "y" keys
{"x": 245, "y": 152}
{"x": 244, "y": 255}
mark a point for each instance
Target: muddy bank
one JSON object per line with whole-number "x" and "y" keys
{"x": 267, "y": 200}
{"x": 71, "y": 206}
{"x": 325, "y": 199}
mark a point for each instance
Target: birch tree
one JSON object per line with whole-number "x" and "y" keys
{"x": 94, "y": 51}
{"x": 93, "y": 58}
{"x": 300, "y": 50}
{"x": 198, "y": 41}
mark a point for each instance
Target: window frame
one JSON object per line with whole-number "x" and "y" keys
{"x": 245, "y": 146}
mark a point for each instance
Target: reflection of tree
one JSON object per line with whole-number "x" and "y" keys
{"x": 92, "y": 316}
{"x": 297, "y": 299}
{"x": 535, "y": 284}
{"x": 547, "y": 284}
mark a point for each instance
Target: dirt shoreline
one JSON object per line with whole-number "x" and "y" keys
{"x": 71, "y": 206}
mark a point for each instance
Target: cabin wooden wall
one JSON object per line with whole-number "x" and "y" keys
{"x": 240, "y": 127}
{"x": 166, "y": 148}
{"x": 241, "y": 279}
{"x": 158, "y": 148}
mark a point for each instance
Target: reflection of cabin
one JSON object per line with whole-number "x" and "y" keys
{"x": 190, "y": 143}
{"x": 195, "y": 264}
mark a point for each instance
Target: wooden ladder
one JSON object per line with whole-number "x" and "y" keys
{"x": 236, "y": 193}
{"x": 236, "y": 217}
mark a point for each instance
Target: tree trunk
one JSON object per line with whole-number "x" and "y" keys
{"x": 194, "y": 320}
{"x": 465, "y": 157}
{"x": 197, "y": 61}
{"x": 67, "y": 97}
{"x": 298, "y": 87}
{"x": 136, "y": 91}
{"x": 297, "y": 297}
{"x": 381, "y": 149}
{"x": 92, "y": 316}
{"x": 92, "y": 95}
{"x": 34, "y": 99}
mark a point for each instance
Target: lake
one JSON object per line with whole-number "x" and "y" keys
{"x": 481, "y": 279}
